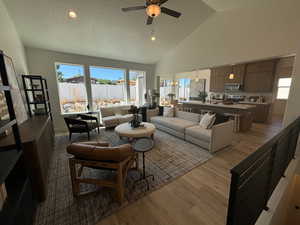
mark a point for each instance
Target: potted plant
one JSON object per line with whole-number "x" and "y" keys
{"x": 202, "y": 95}
{"x": 135, "y": 122}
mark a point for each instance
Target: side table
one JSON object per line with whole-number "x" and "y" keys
{"x": 143, "y": 145}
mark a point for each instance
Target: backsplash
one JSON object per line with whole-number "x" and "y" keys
{"x": 268, "y": 96}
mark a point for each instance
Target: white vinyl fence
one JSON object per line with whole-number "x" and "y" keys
{"x": 70, "y": 92}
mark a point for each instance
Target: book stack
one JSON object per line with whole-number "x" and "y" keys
{"x": 3, "y": 195}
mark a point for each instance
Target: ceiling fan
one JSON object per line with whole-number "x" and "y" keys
{"x": 153, "y": 9}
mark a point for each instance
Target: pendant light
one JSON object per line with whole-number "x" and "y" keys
{"x": 153, "y": 36}
{"x": 231, "y": 75}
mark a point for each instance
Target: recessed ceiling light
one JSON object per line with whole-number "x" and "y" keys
{"x": 72, "y": 14}
{"x": 153, "y": 38}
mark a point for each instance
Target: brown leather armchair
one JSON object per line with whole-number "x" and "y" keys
{"x": 98, "y": 155}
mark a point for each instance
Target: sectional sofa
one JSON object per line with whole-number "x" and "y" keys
{"x": 185, "y": 125}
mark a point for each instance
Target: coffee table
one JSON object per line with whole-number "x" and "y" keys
{"x": 125, "y": 130}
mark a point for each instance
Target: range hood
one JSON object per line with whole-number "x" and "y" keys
{"x": 233, "y": 87}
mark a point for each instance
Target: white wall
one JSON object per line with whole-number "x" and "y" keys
{"x": 267, "y": 29}
{"x": 10, "y": 42}
{"x": 292, "y": 106}
{"x": 41, "y": 62}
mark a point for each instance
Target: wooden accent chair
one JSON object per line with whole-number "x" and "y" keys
{"x": 82, "y": 124}
{"x": 98, "y": 155}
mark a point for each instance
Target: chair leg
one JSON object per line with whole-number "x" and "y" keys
{"x": 75, "y": 184}
{"x": 136, "y": 161}
{"x": 70, "y": 136}
{"x": 120, "y": 186}
{"x": 88, "y": 133}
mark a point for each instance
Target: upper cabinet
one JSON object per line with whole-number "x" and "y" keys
{"x": 255, "y": 77}
{"x": 217, "y": 79}
{"x": 238, "y": 71}
{"x": 220, "y": 76}
{"x": 259, "y": 76}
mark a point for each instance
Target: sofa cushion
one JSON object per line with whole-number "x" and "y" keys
{"x": 173, "y": 122}
{"x": 168, "y": 112}
{"x": 105, "y": 112}
{"x": 110, "y": 121}
{"x": 125, "y": 118}
{"x": 193, "y": 117}
{"x": 199, "y": 133}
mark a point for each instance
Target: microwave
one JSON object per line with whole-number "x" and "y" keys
{"x": 231, "y": 87}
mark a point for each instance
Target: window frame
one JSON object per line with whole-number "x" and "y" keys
{"x": 57, "y": 85}
{"x": 287, "y": 87}
{"x": 113, "y": 68}
{"x": 128, "y": 83}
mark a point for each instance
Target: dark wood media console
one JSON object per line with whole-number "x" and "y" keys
{"x": 37, "y": 137}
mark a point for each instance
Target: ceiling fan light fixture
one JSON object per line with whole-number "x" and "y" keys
{"x": 153, "y": 10}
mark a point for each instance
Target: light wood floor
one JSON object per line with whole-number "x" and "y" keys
{"x": 200, "y": 196}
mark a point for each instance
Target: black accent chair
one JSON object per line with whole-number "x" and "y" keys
{"x": 82, "y": 124}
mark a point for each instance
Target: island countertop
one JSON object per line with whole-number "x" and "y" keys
{"x": 221, "y": 105}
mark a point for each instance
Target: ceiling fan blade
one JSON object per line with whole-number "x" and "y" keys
{"x": 149, "y": 20}
{"x": 170, "y": 12}
{"x": 134, "y": 8}
{"x": 162, "y": 2}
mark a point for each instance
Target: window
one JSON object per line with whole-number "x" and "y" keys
{"x": 184, "y": 89}
{"x": 283, "y": 89}
{"x": 108, "y": 86}
{"x": 71, "y": 88}
{"x": 165, "y": 90}
{"x": 137, "y": 87}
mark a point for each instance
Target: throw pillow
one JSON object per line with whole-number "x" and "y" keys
{"x": 207, "y": 121}
{"x": 168, "y": 112}
{"x": 212, "y": 122}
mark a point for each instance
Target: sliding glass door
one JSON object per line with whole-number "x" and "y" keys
{"x": 108, "y": 86}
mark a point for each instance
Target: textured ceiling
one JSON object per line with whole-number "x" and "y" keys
{"x": 101, "y": 29}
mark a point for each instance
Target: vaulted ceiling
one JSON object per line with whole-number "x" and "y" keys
{"x": 222, "y": 5}
{"x": 102, "y": 29}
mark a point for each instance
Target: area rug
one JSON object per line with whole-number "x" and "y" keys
{"x": 170, "y": 158}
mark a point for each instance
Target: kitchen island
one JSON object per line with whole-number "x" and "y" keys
{"x": 241, "y": 113}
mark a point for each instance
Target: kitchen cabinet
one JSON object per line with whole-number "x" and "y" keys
{"x": 260, "y": 112}
{"x": 238, "y": 71}
{"x": 220, "y": 76}
{"x": 217, "y": 79}
{"x": 255, "y": 77}
{"x": 259, "y": 77}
